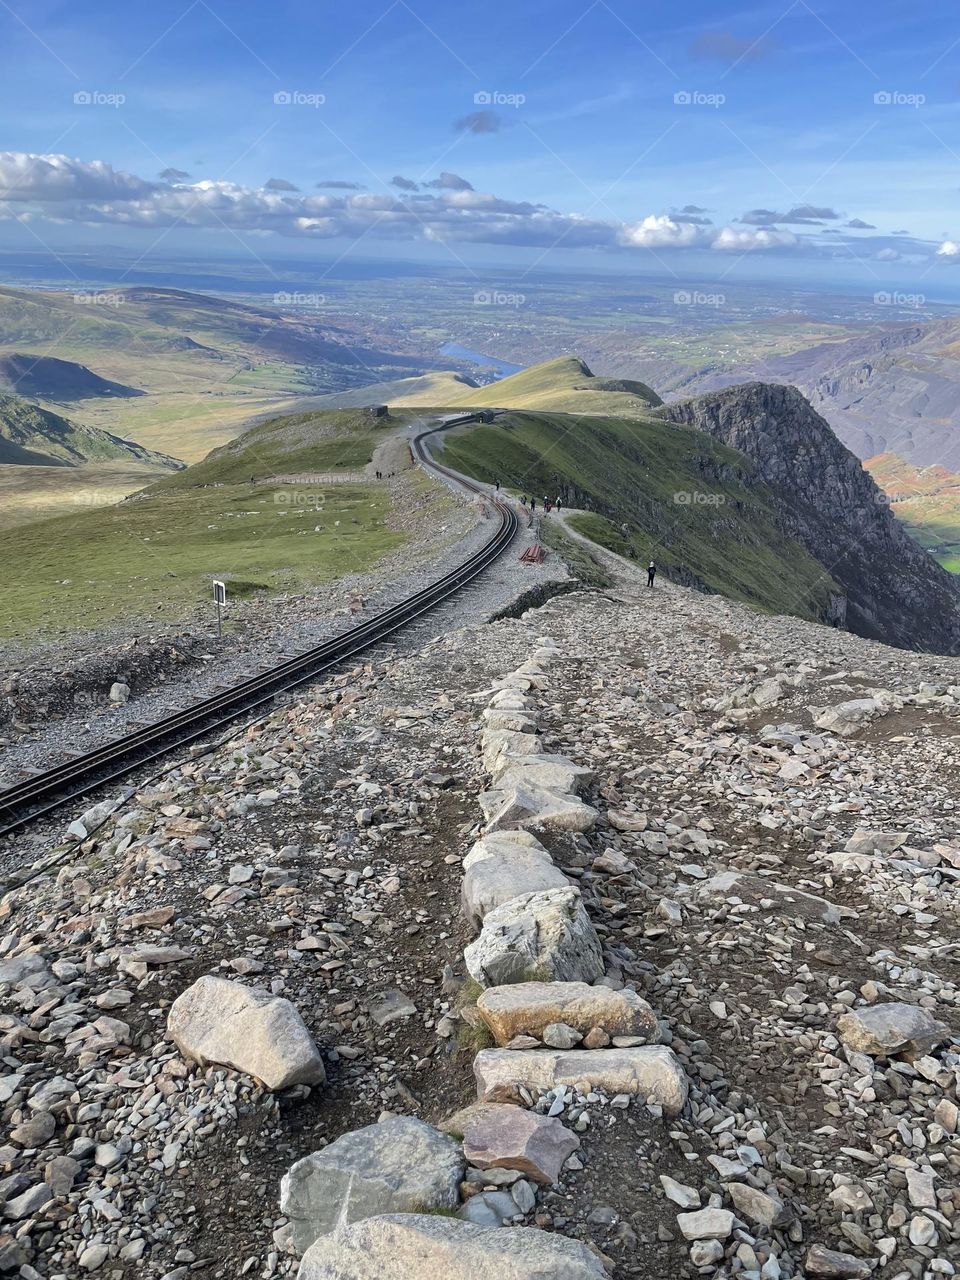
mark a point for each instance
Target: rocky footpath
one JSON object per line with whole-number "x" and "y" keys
{"x": 632, "y": 921}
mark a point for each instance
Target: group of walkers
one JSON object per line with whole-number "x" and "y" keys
{"x": 548, "y": 506}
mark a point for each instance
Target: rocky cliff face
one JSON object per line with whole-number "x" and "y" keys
{"x": 895, "y": 591}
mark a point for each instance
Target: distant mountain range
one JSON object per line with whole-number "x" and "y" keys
{"x": 894, "y": 389}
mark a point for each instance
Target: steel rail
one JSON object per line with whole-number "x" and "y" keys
{"x": 43, "y": 793}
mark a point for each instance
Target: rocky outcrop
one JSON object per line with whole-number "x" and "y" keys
{"x": 895, "y": 592}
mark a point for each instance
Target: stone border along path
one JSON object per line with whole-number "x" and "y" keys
{"x": 401, "y": 1200}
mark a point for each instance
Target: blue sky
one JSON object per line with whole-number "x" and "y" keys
{"x": 636, "y": 136}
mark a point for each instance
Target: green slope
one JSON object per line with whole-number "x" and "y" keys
{"x": 564, "y": 385}
{"x": 31, "y": 436}
{"x": 657, "y": 491}
{"x": 291, "y": 444}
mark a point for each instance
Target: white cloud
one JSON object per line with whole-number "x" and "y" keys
{"x": 949, "y": 249}
{"x": 61, "y": 189}
{"x": 736, "y": 240}
{"x": 660, "y": 232}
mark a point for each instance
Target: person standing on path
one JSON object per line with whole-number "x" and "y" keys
{"x": 651, "y": 573}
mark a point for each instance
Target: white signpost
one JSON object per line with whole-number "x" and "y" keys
{"x": 220, "y": 596}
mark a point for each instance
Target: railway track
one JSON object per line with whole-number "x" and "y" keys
{"x": 43, "y": 793}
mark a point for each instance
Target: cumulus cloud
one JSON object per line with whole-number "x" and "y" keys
{"x": 67, "y": 190}
{"x": 734, "y": 240}
{"x": 724, "y": 46}
{"x": 858, "y": 224}
{"x": 949, "y": 249}
{"x": 479, "y": 122}
{"x": 450, "y": 182}
{"x": 24, "y": 176}
{"x": 175, "y": 175}
{"x": 660, "y": 232}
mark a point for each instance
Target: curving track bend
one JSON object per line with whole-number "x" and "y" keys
{"x": 45, "y": 792}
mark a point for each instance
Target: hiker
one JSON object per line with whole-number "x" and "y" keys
{"x": 523, "y": 501}
{"x": 533, "y": 504}
{"x": 651, "y": 573}
{"x": 559, "y": 504}
{"x": 498, "y": 486}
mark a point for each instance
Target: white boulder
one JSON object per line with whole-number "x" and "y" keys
{"x": 422, "y": 1247}
{"x": 225, "y": 1022}
{"x": 544, "y": 937}
{"x": 399, "y": 1166}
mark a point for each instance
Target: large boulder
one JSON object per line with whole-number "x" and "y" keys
{"x": 504, "y": 743}
{"x": 527, "y": 1008}
{"x": 536, "y": 937}
{"x": 500, "y": 843}
{"x": 652, "y": 1072}
{"x": 225, "y": 1022}
{"x": 502, "y": 1136}
{"x": 882, "y": 1029}
{"x": 530, "y": 805}
{"x": 422, "y": 1247}
{"x": 489, "y": 883}
{"x": 846, "y": 718}
{"x": 555, "y": 773}
{"x": 399, "y": 1166}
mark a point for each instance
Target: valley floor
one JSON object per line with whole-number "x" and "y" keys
{"x": 753, "y": 876}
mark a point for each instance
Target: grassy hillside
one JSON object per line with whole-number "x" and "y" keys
{"x": 155, "y": 558}
{"x": 926, "y": 500}
{"x": 564, "y": 385}
{"x": 291, "y": 444}
{"x": 428, "y": 389}
{"x": 659, "y": 491}
{"x": 155, "y": 555}
{"x": 31, "y": 436}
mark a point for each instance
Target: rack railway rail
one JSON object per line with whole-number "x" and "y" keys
{"x": 43, "y": 793}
